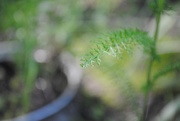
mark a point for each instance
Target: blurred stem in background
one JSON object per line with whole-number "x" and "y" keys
{"x": 160, "y": 6}
{"x": 21, "y": 22}
{"x": 29, "y": 66}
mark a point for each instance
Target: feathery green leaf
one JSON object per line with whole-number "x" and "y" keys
{"x": 116, "y": 43}
{"x": 159, "y": 6}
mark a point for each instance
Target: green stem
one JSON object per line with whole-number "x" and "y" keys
{"x": 158, "y": 17}
{"x": 149, "y": 70}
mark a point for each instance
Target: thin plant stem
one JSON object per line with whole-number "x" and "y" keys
{"x": 149, "y": 70}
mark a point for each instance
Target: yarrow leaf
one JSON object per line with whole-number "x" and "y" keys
{"x": 116, "y": 43}
{"x": 159, "y": 6}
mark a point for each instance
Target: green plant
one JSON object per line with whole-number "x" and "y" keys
{"x": 37, "y": 24}
{"x": 21, "y": 22}
{"x": 117, "y": 43}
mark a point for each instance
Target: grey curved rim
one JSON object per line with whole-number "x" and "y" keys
{"x": 74, "y": 74}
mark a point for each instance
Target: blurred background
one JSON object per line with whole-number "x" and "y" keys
{"x": 39, "y": 37}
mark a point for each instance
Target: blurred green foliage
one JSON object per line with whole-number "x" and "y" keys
{"x": 113, "y": 44}
{"x": 63, "y": 24}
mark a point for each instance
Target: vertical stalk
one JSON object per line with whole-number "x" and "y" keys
{"x": 153, "y": 54}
